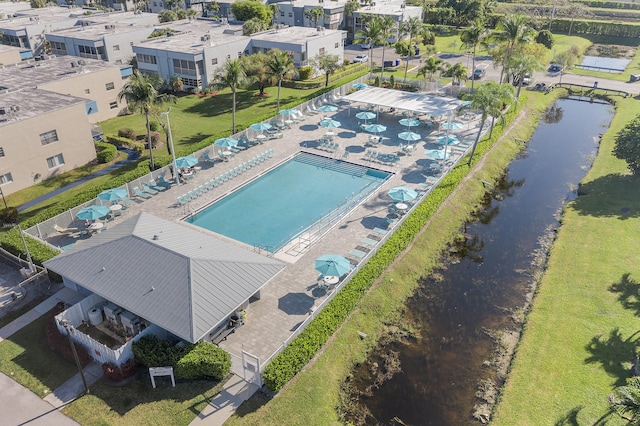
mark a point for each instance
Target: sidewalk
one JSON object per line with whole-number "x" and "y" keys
{"x": 223, "y": 405}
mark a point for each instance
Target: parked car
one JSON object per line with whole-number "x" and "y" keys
{"x": 479, "y": 72}
{"x": 527, "y": 80}
{"x": 554, "y": 68}
{"x": 364, "y": 46}
{"x": 361, "y": 58}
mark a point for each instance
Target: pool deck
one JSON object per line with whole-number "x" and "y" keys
{"x": 287, "y": 300}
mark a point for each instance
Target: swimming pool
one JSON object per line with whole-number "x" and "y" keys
{"x": 274, "y": 208}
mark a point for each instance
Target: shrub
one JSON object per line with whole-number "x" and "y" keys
{"x": 204, "y": 360}
{"x": 627, "y": 145}
{"x": 60, "y": 343}
{"x": 106, "y": 152}
{"x": 9, "y": 216}
{"x": 125, "y": 142}
{"x": 305, "y": 72}
{"x": 127, "y": 133}
{"x": 392, "y": 81}
{"x": 153, "y": 126}
{"x": 155, "y": 139}
{"x": 346, "y": 62}
{"x": 118, "y": 373}
{"x": 151, "y": 351}
{"x": 376, "y": 82}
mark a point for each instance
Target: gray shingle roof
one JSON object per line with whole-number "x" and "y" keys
{"x": 170, "y": 274}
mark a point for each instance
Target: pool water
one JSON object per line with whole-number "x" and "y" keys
{"x": 273, "y": 209}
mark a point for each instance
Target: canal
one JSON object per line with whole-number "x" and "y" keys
{"x": 464, "y": 319}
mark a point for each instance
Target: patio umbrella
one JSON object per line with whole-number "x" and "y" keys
{"x": 328, "y": 108}
{"x": 402, "y": 193}
{"x": 449, "y": 140}
{"x": 93, "y": 212}
{"x": 227, "y": 142}
{"x": 410, "y": 122}
{"x": 329, "y": 123}
{"x": 466, "y": 104}
{"x": 409, "y": 136}
{"x": 452, "y": 125}
{"x": 187, "y": 161}
{"x": 112, "y": 194}
{"x": 366, "y": 115}
{"x": 375, "y": 128}
{"x": 436, "y": 154}
{"x": 332, "y": 265}
{"x": 290, "y": 111}
{"x": 359, "y": 86}
{"x": 260, "y": 126}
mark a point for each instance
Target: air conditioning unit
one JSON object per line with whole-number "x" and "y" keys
{"x": 112, "y": 313}
{"x": 131, "y": 323}
{"x": 73, "y": 64}
{"x": 15, "y": 108}
{"x": 319, "y": 28}
{"x": 82, "y": 62}
{"x": 3, "y": 111}
{"x": 204, "y": 38}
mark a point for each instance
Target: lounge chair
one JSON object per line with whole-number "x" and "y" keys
{"x": 155, "y": 186}
{"x": 369, "y": 242}
{"x": 164, "y": 183}
{"x": 125, "y": 202}
{"x": 148, "y": 190}
{"x": 65, "y": 231}
{"x": 138, "y": 193}
{"x": 183, "y": 199}
{"x": 208, "y": 159}
{"x": 380, "y": 231}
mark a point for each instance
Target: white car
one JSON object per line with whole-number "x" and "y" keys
{"x": 361, "y": 58}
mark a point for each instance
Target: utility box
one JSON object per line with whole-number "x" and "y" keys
{"x": 634, "y": 77}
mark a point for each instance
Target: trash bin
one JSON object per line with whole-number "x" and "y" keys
{"x": 397, "y": 62}
{"x": 634, "y": 77}
{"x": 595, "y": 84}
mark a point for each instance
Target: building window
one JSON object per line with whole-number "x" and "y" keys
{"x": 113, "y": 105}
{"x": 58, "y": 48}
{"x": 228, "y": 56}
{"x": 239, "y": 54}
{"x": 290, "y": 14}
{"x": 131, "y": 43}
{"x": 87, "y": 91}
{"x": 1, "y": 151}
{"x": 49, "y": 137}
{"x": 109, "y": 86}
{"x": 191, "y": 82}
{"x": 5, "y": 178}
{"x": 91, "y": 52}
{"x": 116, "y": 47}
{"x": 55, "y": 161}
{"x": 182, "y": 66}
{"x": 146, "y": 59}
{"x": 281, "y": 13}
{"x": 214, "y": 61}
{"x": 321, "y": 51}
{"x": 337, "y": 45}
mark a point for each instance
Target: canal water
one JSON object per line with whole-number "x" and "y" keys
{"x": 464, "y": 319}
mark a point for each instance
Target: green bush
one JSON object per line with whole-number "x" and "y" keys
{"x": 204, "y": 360}
{"x": 305, "y": 72}
{"x": 39, "y": 252}
{"x": 304, "y": 347}
{"x": 153, "y": 126}
{"x": 152, "y": 351}
{"x": 9, "y": 216}
{"x": 125, "y": 142}
{"x": 127, "y": 133}
{"x": 106, "y": 152}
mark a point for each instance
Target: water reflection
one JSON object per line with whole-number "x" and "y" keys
{"x": 466, "y": 316}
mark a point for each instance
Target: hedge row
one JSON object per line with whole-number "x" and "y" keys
{"x": 106, "y": 152}
{"x": 318, "y": 82}
{"x": 596, "y": 27}
{"x": 125, "y": 142}
{"x": 304, "y": 347}
{"x": 611, "y": 4}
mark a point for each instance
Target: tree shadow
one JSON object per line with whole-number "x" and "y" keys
{"x": 628, "y": 292}
{"x": 571, "y": 418}
{"x": 612, "y": 352}
{"x": 613, "y": 195}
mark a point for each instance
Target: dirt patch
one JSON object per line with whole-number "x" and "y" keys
{"x": 611, "y": 51}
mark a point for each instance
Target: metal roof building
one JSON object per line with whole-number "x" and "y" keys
{"x": 172, "y": 275}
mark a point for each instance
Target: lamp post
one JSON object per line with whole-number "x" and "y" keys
{"x": 65, "y": 324}
{"x": 173, "y": 153}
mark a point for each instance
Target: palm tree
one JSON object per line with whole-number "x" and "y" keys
{"x": 404, "y": 48}
{"x": 142, "y": 94}
{"x": 412, "y": 27}
{"x": 326, "y": 63}
{"x": 513, "y": 30}
{"x": 314, "y": 15}
{"x": 521, "y": 65}
{"x": 369, "y": 34}
{"x": 471, "y": 37}
{"x": 430, "y": 67}
{"x": 457, "y": 72}
{"x": 491, "y": 98}
{"x": 387, "y": 26}
{"x": 625, "y": 400}
{"x": 233, "y": 76}
{"x": 280, "y": 65}
{"x": 350, "y": 7}
{"x": 256, "y": 69}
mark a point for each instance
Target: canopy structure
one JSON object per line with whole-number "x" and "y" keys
{"x": 416, "y": 102}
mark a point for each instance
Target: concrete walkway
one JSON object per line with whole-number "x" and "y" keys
{"x": 223, "y": 405}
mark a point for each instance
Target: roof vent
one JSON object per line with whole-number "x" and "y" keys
{"x": 156, "y": 237}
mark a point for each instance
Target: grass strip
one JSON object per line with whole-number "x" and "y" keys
{"x": 582, "y": 331}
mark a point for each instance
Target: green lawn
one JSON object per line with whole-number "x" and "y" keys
{"x": 582, "y": 332}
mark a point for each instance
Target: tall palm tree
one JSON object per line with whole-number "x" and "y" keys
{"x": 457, "y": 72}
{"x": 513, "y": 30}
{"x": 521, "y": 65}
{"x": 430, "y": 67}
{"x": 491, "y": 98}
{"x": 369, "y": 34}
{"x": 142, "y": 94}
{"x": 387, "y": 27}
{"x": 350, "y": 7}
{"x": 280, "y": 65}
{"x": 233, "y": 76}
{"x": 471, "y": 37}
{"x": 405, "y": 49}
{"x": 256, "y": 69}
{"x": 411, "y": 28}
{"x": 625, "y": 401}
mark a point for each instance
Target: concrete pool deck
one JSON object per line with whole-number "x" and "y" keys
{"x": 287, "y": 300}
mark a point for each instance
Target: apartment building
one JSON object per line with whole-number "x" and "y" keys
{"x": 47, "y": 108}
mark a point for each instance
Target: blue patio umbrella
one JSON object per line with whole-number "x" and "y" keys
{"x": 93, "y": 212}
{"x": 402, "y": 193}
{"x": 112, "y": 194}
{"x": 332, "y": 265}
{"x": 452, "y": 125}
{"x": 410, "y": 122}
{"x": 436, "y": 154}
{"x": 375, "y": 128}
{"x": 409, "y": 136}
{"x": 329, "y": 123}
{"x": 466, "y": 104}
{"x": 289, "y": 112}
{"x": 449, "y": 140}
{"x": 366, "y": 115}
{"x": 328, "y": 108}
{"x": 260, "y": 126}
{"x": 359, "y": 86}
{"x": 227, "y": 142}
{"x": 187, "y": 161}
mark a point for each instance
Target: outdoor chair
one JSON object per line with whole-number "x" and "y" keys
{"x": 270, "y": 152}
{"x": 380, "y": 231}
{"x": 125, "y": 202}
{"x": 148, "y": 190}
{"x": 65, "y": 231}
{"x": 208, "y": 159}
{"x": 164, "y": 183}
{"x": 138, "y": 193}
{"x": 183, "y": 199}
{"x": 154, "y": 185}
{"x": 369, "y": 242}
